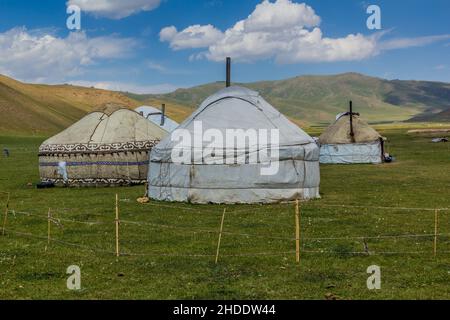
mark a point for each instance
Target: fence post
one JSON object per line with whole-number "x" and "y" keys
{"x": 436, "y": 224}
{"x": 220, "y": 235}
{"x": 6, "y": 214}
{"x": 49, "y": 218}
{"x": 117, "y": 226}
{"x": 297, "y": 231}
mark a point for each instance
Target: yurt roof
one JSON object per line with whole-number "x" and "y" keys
{"x": 153, "y": 114}
{"x": 148, "y": 110}
{"x": 339, "y": 132}
{"x": 241, "y": 108}
{"x": 109, "y": 124}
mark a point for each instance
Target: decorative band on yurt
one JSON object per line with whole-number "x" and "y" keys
{"x": 94, "y": 148}
{"x": 95, "y": 163}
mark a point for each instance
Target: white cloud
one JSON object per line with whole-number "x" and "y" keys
{"x": 401, "y": 43}
{"x": 312, "y": 46}
{"x": 195, "y": 36}
{"x": 127, "y": 87}
{"x": 280, "y": 15}
{"x": 43, "y": 57}
{"x": 156, "y": 66}
{"x": 163, "y": 69}
{"x": 285, "y": 31}
{"x": 440, "y": 67}
{"x": 115, "y": 9}
{"x": 168, "y": 34}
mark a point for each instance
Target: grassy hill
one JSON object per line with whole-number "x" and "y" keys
{"x": 317, "y": 99}
{"x": 31, "y": 109}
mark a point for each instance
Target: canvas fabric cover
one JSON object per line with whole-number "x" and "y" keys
{"x": 109, "y": 146}
{"x": 369, "y": 152}
{"x": 237, "y": 108}
{"x": 336, "y": 145}
{"x": 155, "y": 115}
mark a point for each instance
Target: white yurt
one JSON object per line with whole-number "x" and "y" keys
{"x": 107, "y": 147}
{"x": 292, "y": 174}
{"x": 351, "y": 140}
{"x": 158, "y": 117}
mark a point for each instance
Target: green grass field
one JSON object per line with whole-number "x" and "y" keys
{"x": 169, "y": 249}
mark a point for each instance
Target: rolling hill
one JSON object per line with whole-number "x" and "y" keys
{"x": 35, "y": 109}
{"x": 317, "y": 99}
{"x": 43, "y": 109}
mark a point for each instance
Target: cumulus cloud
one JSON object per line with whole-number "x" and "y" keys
{"x": 44, "y": 57}
{"x": 196, "y": 36}
{"x": 312, "y": 46}
{"x": 280, "y": 15}
{"x": 127, "y": 87}
{"x": 286, "y": 31}
{"x": 115, "y": 9}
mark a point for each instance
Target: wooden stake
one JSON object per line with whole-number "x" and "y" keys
{"x": 6, "y": 215}
{"x": 117, "y": 225}
{"x": 220, "y": 235}
{"x": 436, "y": 223}
{"x": 297, "y": 231}
{"x": 49, "y": 218}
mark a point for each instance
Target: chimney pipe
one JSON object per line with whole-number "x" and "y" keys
{"x": 228, "y": 83}
{"x": 163, "y": 114}
{"x": 352, "y": 134}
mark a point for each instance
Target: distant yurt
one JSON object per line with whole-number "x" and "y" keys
{"x": 216, "y": 179}
{"x": 350, "y": 140}
{"x": 107, "y": 147}
{"x": 158, "y": 117}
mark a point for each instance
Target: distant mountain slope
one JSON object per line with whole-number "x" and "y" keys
{"x": 308, "y": 100}
{"x": 43, "y": 109}
{"x": 434, "y": 95}
{"x": 443, "y": 116}
{"x": 317, "y": 99}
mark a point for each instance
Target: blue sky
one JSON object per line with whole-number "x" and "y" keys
{"x": 156, "y": 46}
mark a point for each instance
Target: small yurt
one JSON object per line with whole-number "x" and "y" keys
{"x": 158, "y": 117}
{"x": 107, "y": 147}
{"x": 217, "y": 176}
{"x": 351, "y": 140}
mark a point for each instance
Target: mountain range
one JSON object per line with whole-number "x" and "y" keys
{"x": 36, "y": 109}
{"x": 317, "y": 99}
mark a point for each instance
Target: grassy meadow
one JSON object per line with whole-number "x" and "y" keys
{"x": 169, "y": 248}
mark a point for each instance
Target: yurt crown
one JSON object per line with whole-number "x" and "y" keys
{"x": 351, "y": 114}
{"x": 163, "y": 114}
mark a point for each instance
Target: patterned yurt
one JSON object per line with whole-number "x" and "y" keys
{"x": 107, "y": 147}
